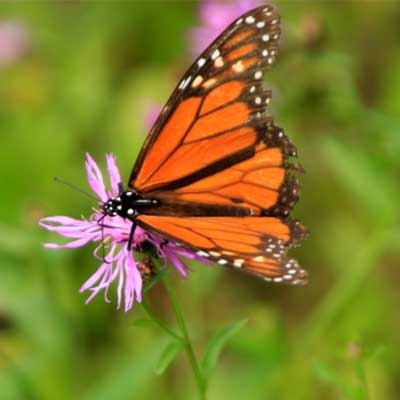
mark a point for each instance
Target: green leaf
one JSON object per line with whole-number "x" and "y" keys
{"x": 171, "y": 350}
{"x": 144, "y": 323}
{"x": 216, "y": 345}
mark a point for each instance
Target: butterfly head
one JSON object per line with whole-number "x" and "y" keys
{"x": 113, "y": 207}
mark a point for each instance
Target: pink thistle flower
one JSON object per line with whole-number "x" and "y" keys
{"x": 151, "y": 112}
{"x": 119, "y": 264}
{"x": 215, "y": 16}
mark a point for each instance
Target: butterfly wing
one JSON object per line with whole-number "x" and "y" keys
{"x": 215, "y": 122}
{"x": 217, "y": 163}
{"x": 256, "y": 245}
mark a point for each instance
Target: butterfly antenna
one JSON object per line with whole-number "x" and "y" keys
{"x": 76, "y": 188}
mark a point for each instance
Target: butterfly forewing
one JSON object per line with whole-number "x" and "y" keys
{"x": 215, "y": 116}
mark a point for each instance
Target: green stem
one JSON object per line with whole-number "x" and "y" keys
{"x": 201, "y": 384}
{"x": 160, "y": 324}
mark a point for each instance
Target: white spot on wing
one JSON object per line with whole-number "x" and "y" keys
{"x": 250, "y": 19}
{"x": 238, "y": 262}
{"x": 265, "y": 37}
{"x": 215, "y": 54}
{"x": 201, "y": 62}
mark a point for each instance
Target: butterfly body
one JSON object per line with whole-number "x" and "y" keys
{"x": 127, "y": 205}
{"x": 214, "y": 174}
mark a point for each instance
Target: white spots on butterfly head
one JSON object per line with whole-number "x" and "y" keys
{"x": 258, "y": 100}
{"x": 250, "y": 19}
{"x": 202, "y": 253}
{"x": 197, "y": 81}
{"x": 265, "y": 37}
{"x": 238, "y": 66}
{"x": 119, "y": 207}
{"x": 258, "y": 75}
{"x": 219, "y": 62}
{"x": 260, "y": 24}
{"x": 222, "y": 261}
{"x": 201, "y": 62}
{"x": 128, "y": 194}
{"x": 215, "y": 54}
{"x": 130, "y": 211}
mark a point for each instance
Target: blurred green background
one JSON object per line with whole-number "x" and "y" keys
{"x": 88, "y": 72}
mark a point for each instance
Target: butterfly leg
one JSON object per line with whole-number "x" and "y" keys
{"x": 121, "y": 188}
{"x": 131, "y": 234}
{"x": 163, "y": 243}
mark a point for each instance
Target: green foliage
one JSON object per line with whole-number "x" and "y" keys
{"x": 83, "y": 86}
{"x": 144, "y": 323}
{"x": 171, "y": 350}
{"x": 215, "y": 346}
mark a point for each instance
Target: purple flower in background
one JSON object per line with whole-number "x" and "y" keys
{"x": 215, "y": 16}
{"x": 14, "y": 42}
{"x": 119, "y": 264}
{"x": 151, "y": 112}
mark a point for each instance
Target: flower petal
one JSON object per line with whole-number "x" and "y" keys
{"x": 115, "y": 178}
{"x": 94, "y": 278}
{"x": 95, "y": 178}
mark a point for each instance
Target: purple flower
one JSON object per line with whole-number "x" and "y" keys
{"x": 119, "y": 264}
{"x": 151, "y": 112}
{"x": 14, "y": 42}
{"x": 215, "y": 16}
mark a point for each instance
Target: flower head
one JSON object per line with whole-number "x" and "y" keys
{"x": 215, "y": 16}
{"x": 112, "y": 234}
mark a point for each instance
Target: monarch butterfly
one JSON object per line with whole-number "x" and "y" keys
{"x": 213, "y": 175}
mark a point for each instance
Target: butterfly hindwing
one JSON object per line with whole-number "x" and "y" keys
{"x": 256, "y": 245}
